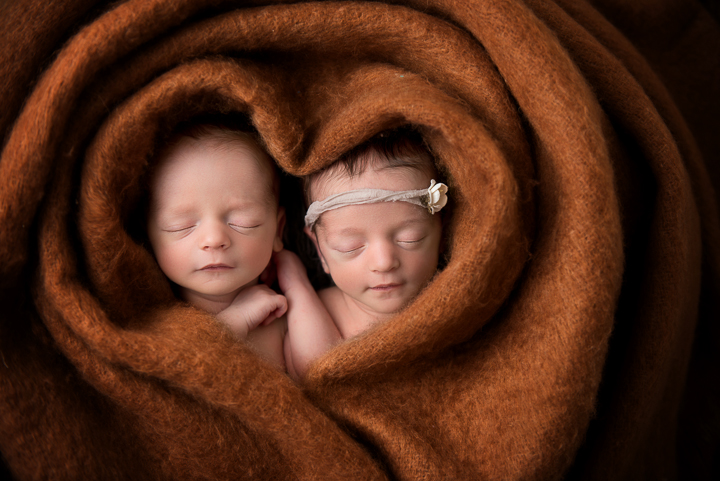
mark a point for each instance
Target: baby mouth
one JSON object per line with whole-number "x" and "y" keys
{"x": 385, "y": 287}
{"x": 215, "y": 267}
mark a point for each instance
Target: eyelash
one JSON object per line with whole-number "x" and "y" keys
{"x": 175, "y": 231}
{"x": 244, "y": 227}
{"x": 179, "y": 230}
{"x": 351, "y": 250}
{"x": 413, "y": 241}
{"x": 401, "y": 242}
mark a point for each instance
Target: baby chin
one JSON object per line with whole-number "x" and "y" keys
{"x": 221, "y": 281}
{"x": 388, "y": 298}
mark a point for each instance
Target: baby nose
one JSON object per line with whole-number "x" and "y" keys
{"x": 383, "y": 258}
{"x": 214, "y": 237}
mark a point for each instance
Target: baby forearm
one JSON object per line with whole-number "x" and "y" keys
{"x": 238, "y": 328}
{"x": 268, "y": 341}
{"x": 265, "y": 340}
{"x": 311, "y": 330}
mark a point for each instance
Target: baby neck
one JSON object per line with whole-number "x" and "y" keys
{"x": 212, "y": 303}
{"x": 358, "y": 318}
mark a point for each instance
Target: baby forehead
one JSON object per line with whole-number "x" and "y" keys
{"x": 213, "y": 160}
{"x": 212, "y": 153}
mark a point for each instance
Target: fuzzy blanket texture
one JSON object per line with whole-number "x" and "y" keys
{"x": 572, "y": 334}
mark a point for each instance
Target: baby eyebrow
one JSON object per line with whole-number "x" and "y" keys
{"x": 245, "y": 205}
{"x": 352, "y": 231}
{"x": 414, "y": 220}
{"x": 349, "y": 231}
{"x": 166, "y": 216}
{"x": 170, "y": 209}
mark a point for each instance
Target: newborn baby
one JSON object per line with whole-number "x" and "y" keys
{"x": 213, "y": 223}
{"x": 372, "y": 219}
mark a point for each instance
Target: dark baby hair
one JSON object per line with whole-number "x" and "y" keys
{"x": 401, "y": 147}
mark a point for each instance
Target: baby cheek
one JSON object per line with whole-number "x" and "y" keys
{"x": 424, "y": 264}
{"x": 173, "y": 261}
{"x": 256, "y": 255}
{"x": 348, "y": 276}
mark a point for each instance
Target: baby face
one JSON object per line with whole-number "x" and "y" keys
{"x": 213, "y": 221}
{"x": 379, "y": 255}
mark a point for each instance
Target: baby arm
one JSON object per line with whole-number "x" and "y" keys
{"x": 255, "y": 316}
{"x": 311, "y": 330}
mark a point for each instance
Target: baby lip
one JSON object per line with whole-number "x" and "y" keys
{"x": 389, "y": 285}
{"x": 211, "y": 267}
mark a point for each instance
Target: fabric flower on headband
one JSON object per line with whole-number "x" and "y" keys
{"x": 433, "y": 199}
{"x": 436, "y": 196}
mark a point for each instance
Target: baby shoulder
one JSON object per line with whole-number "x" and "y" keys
{"x": 335, "y": 303}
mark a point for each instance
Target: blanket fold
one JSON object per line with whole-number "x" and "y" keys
{"x": 571, "y": 334}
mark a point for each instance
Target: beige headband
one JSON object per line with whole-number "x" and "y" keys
{"x": 433, "y": 199}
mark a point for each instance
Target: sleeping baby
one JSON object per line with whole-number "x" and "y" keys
{"x": 213, "y": 222}
{"x": 372, "y": 219}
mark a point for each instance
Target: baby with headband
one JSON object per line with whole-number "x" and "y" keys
{"x": 374, "y": 223}
{"x": 214, "y": 221}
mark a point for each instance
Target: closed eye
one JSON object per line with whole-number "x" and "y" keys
{"x": 181, "y": 229}
{"x": 244, "y": 227}
{"x": 350, "y": 251}
{"x": 410, "y": 243}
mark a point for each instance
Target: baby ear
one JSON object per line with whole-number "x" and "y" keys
{"x": 277, "y": 242}
{"x": 308, "y": 231}
{"x": 314, "y": 240}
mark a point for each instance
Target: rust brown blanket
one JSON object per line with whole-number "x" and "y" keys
{"x": 573, "y": 333}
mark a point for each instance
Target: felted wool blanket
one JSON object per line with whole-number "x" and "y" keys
{"x": 572, "y": 333}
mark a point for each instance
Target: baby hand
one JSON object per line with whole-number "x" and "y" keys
{"x": 252, "y": 307}
{"x": 291, "y": 272}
